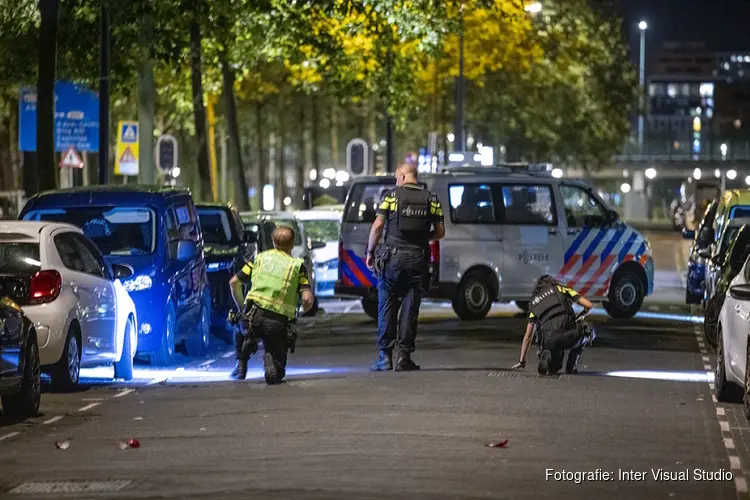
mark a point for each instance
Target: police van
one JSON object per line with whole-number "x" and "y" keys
{"x": 504, "y": 228}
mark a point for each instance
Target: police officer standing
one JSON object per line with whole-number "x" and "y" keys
{"x": 276, "y": 280}
{"x": 411, "y": 217}
{"x": 551, "y": 314}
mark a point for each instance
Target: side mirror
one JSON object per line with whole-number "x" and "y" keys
{"x": 317, "y": 245}
{"x": 704, "y": 252}
{"x": 740, "y": 292}
{"x": 688, "y": 234}
{"x": 250, "y": 237}
{"x": 121, "y": 271}
{"x": 186, "y": 250}
{"x": 612, "y": 216}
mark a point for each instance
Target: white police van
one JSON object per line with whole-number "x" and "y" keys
{"x": 504, "y": 228}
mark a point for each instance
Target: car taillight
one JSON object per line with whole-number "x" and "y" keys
{"x": 45, "y": 287}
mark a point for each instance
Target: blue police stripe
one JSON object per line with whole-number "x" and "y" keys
{"x": 641, "y": 249}
{"x": 349, "y": 274}
{"x": 594, "y": 243}
{"x": 577, "y": 243}
{"x": 626, "y": 247}
{"x": 615, "y": 238}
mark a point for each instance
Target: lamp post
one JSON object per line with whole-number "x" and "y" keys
{"x": 642, "y": 69}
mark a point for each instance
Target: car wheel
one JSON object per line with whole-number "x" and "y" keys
{"x": 165, "y": 355}
{"x": 711, "y": 321}
{"x": 370, "y": 306}
{"x": 474, "y": 297}
{"x": 726, "y": 391}
{"x": 197, "y": 344}
{"x": 65, "y": 373}
{"x": 124, "y": 367}
{"x": 746, "y": 400}
{"x": 25, "y": 403}
{"x": 625, "y": 296}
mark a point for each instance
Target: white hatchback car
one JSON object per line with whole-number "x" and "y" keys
{"x": 323, "y": 225}
{"x": 82, "y": 314}
{"x": 732, "y": 376}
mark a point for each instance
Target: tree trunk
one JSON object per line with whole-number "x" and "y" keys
{"x": 146, "y": 100}
{"x": 47, "y": 174}
{"x": 334, "y": 126}
{"x": 314, "y": 132}
{"x": 262, "y": 173}
{"x": 301, "y": 147}
{"x": 199, "y": 110}
{"x": 235, "y": 149}
{"x": 280, "y": 152}
{"x": 13, "y": 145}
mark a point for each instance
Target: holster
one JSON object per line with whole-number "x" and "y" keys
{"x": 382, "y": 257}
{"x": 245, "y": 323}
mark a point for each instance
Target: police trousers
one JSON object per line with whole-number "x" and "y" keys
{"x": 271, "y": 328}
{"x": 400, "y": 288}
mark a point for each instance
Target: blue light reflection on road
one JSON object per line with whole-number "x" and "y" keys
{"x": 149, "y": 376}
{"x": 681, "y": 376}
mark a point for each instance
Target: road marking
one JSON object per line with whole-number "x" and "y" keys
{"x": 707, "y": 367}
{"x": 705, "y": 358}
{"x": 740, "y": 484}
{"x": 88, "y": 407}
{"x": 711, "y": 386}
{"x": 713, "y": 398}
{"x": 123, "y": 393}
{"x": 52, "y": 420}
{"x": 720, "y": 412}
{"x": 227, "y": 354}
{"x": 729, "y": 443}
{"x": 8, "y": 436}
{"x": 157, "y": 381}
{"x": 206, "y": 364}
{"x": 734, "y": 463}
{"x": 348, "y": 308}
{"x": 724, "y": 426}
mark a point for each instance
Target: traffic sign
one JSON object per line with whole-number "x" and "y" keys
{"x": 357, "y": 161}
{"x": 76, "y": 118}
{"x": 71, "y": 159}
{"x": 126, "y": 159}
{"x": 166, "y": 153}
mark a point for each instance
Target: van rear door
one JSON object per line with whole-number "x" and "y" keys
{"x": 359, "y": 214}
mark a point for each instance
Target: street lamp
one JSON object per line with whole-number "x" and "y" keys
{"x": 650, "y": 173}
{"x": 625, "y": 187}
{"x": 731, "y": 174}
{"x": 642, "y": 26}
{"x": 697, "y": 174}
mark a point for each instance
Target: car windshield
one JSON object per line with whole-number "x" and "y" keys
{"x": 321, "y": 230}
{"x": 115, "y": 230}
{"x": 19, "y": 258}
{"x": 217, "y": 227}
{"x": 270, "y": 225}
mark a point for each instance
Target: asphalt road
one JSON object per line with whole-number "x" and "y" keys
{"x": 642, "y": 403}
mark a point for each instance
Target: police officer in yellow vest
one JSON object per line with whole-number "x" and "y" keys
{"x": 277, "y": 279}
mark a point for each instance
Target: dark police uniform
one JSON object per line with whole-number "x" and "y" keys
{"x": 268, "y": 324}
{"x": 410, "y": 212}
{"x": 551, "y": 310}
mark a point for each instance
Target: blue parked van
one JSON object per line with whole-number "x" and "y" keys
{"x": 156, "y": 232}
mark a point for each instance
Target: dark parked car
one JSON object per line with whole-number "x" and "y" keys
{"x": 20, "y": 371}
{"x": 153, "y": 230}
{"x": 700, "y": 251}
{"x": 226, "y": 248}
{"x": 733, "y": 259}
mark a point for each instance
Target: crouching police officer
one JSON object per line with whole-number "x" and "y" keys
{"x": 276, "y": 280}
{"x": 411, "y": 217}
{"x": 551, "y": 314}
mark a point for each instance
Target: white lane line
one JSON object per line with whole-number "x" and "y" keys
{"x": 227, "y": 354}
{"x": 123, "y": 393}
{"x": 8, "y": 436}
{"x": 724, "y": 426}
{"x": 734, "y": 462}
{"x": 729, "y": 443}
{"x": 88, "y": 407}
{"x": 740, "y": 484}
{"x": 206, "y": 364}
{"x": 348, "y": 308}
{"x": 713, "y": 398}
{"x": 720, "y": 412}
{"x": 705, "y": 358}
{"x": 157, "y": 381}
{"x": 52, "y": 420}
{"x": 707, "y": 367}
{"x": 711, "y": 386}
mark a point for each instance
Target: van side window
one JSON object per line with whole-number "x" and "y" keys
{"x": 187, "y": 222}
{"x": 581, "y": 208}
{"x": 363, "y": 202}
{"x": 529, "y": 204}
{"x": 471, "y": 204}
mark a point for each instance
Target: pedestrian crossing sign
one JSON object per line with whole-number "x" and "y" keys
{"x": 126, "y": 159}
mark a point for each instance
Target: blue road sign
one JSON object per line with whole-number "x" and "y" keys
{"x": 76, "y": 118}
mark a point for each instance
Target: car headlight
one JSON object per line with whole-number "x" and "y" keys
{"x": 138, "y": 283}
{"x": 218, "y": 266}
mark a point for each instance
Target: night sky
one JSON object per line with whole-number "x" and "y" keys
{"x": 721, "y": 24}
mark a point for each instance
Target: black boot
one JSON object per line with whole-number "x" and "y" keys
{"x": 405, "y": 364}
{"x": 384, "y": 362}
{"x": 240, "y": 370}
{"x": 544, "y": 361}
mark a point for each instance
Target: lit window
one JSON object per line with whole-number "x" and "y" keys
{"x": 672, "y": 90}
{"x": 652, "y": 90}
{"x": 707, "y": 90}
{"x": 685, "y": 90}
{"x": 726, "y": 66}
{"x": 747, "y": 59}
{"x": 709, "y": 112}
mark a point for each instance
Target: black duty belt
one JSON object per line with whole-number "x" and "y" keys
{"x": 407, "y": 250}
